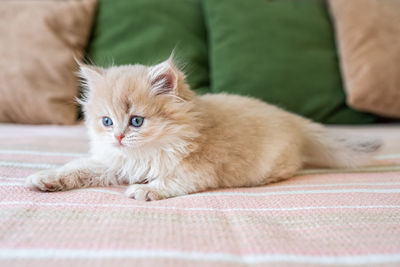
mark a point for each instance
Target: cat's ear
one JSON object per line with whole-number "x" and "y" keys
{"x": 91, "y": 75}
{"x": 164, "y": 77}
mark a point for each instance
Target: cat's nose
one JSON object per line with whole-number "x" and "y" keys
{"x": 119, "y": 138}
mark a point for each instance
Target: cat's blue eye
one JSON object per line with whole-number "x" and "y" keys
{"x": 136, "y": 121}
{"x": 107, "y": 121}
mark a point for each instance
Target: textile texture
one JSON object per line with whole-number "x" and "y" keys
{"x": 147, "y": 31}
{"x": 38, "y": 43}
{"x": 280, "y": 51}
{"x": 320, "y": 217}
{"x": 369, "y": 48}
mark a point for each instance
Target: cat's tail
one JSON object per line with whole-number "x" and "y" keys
{"x": 326, "y": 147}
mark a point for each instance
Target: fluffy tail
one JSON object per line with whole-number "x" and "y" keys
{"x": 325, "y": 147}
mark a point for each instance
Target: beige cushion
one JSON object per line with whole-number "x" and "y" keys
{"x": 368, "y": 36}
{"x": 38, "y": 42}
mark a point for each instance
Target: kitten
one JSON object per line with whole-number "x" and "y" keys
{"x": 148, "y": 129}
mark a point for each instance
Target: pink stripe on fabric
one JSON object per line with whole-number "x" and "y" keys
{"x": 36, "y": 158}
{"x": 16, "y": 172}
{"x": 202, "y": 200}
{"x": 261, "y": 234}
{"x": 231, "y": 211}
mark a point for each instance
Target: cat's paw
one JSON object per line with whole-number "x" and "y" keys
{"x": 144, "y": 192}
{"x": 45, "y": 180}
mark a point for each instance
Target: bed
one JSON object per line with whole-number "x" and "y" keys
{"x": 320, "y": 217}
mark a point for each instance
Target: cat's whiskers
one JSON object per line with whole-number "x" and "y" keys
{"x": 133, "y": 138}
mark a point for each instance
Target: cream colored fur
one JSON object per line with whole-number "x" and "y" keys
{"x": 190, "y": 143}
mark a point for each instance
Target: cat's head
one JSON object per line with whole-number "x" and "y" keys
{"x": 138, "y": 107}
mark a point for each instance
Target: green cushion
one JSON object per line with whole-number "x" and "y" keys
{"x": 146, "y": 32}
{"x": 281, "y": 51}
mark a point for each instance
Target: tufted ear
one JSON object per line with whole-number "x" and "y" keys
{"x": 91, "y": 75}
{"x": 164, "y": 78}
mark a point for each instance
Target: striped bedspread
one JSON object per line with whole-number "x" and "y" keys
{"x": 320, "y": 217}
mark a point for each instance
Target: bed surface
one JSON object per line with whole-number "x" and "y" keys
{"x": 334, "y": 217}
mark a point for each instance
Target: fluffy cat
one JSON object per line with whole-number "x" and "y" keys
{"x": 148, "y": 129}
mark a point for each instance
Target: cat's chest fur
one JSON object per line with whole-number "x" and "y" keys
{"x": 136, "y": 166}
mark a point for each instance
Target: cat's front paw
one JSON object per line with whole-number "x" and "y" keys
{"x": 45, "y": 180}
{"x": 144, "y": 192}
